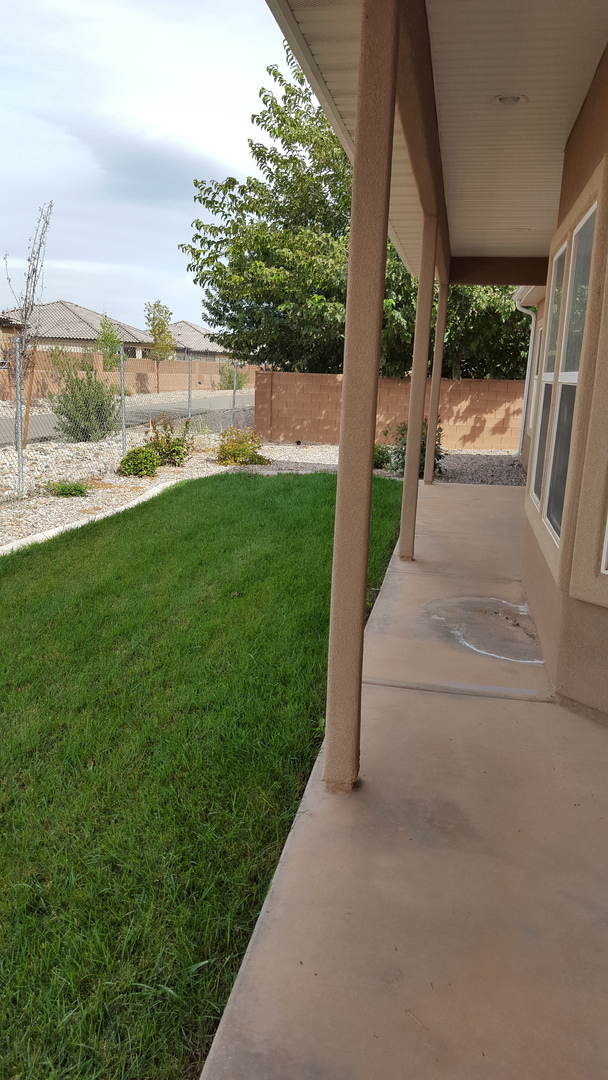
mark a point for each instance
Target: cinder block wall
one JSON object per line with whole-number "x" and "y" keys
{"x": 474, "y": 413}
{"x": 140, "y": 376}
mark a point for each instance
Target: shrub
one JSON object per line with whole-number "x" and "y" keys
{"x": 86, "y": 409}
{"x": 226, "y": 378}
{"x": 142, "y": 461}
{"x": 172, "y": 449}
{"x": 240, "y": 447}
{"x": 382, "y": 456}
{"x": 397, "y": 452}
{"x": 66, "y": 488}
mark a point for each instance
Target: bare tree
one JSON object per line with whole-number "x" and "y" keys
{"x": 28, "y": 301}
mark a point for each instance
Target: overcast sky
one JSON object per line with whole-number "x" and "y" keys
{"x": 111, "y": 108}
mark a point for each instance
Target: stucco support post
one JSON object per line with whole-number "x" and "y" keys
{"x": 429, "y": 460}
{"x": 422, "y": 334}
{"x": 364, "y": 309}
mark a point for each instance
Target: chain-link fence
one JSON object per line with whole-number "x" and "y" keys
{"x": 63, "y": 417}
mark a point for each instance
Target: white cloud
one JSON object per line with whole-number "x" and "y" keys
{"x": 111, "y": 109}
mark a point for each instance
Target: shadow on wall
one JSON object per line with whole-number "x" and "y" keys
{"x": 475, "y": 413}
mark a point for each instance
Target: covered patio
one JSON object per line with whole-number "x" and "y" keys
{"x": 448, "y": 920}
{"x": 439, "y": 911}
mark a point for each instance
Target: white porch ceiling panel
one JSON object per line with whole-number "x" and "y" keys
{"x": 502, "y": 164}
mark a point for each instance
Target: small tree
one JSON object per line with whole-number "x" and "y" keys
{"x": 28, "y": 302}
{"x": 158, "y": 318}
{"x": 108, "y": 342}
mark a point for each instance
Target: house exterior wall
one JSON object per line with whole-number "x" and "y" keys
{"x": 567, "y": 591}
{"x": 474, "y": 413}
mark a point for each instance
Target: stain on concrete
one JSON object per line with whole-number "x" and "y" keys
{"x": 433, "y": 822}
{"x": 487, "y": 626}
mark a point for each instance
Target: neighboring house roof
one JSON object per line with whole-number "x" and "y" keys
{"x": 196, "y": 338}
{"x": 61, "y": 320}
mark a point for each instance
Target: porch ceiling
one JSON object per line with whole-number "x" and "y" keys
{"x": 501, "y": 164}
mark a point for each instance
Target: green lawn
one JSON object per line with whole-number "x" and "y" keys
{"x": 162, "y": 679}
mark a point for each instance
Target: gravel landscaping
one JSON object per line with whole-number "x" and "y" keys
{"x": 482, "y": 467}
{"x": 96, "y": 463}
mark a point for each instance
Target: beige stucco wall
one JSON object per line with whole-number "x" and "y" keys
{"x": 475, "y": 413}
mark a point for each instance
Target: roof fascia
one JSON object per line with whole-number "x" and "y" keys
{"x": 507, "y": 270}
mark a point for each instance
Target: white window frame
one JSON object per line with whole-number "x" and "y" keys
{"x": 536, "y": 372}
{"x": 604, "y": 562}
{"x": 547, "y": 376}
{"x": 561, "y": 377}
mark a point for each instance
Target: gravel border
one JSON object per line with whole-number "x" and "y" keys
{"x": 41, "y": 515}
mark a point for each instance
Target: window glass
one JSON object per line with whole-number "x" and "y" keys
{"x": 561, "y": 454}
{"x": 542, "y": 438}
{"x": 555, "y": 304}
{"x": 581, "y": 261}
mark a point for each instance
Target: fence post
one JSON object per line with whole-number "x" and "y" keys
{"x": 189, "y": 355}
{"x": 234, "y": 391}
{"x": 18, "y": 418}
{"x": 123, "y": 411}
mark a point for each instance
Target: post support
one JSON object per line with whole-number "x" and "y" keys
{"x": 364, "y": 310}
{"x": 19, "y": 417}
{"x": 422, "y": 333}
{"x": 123, "y": 410}
{"x": 431, "y": 432}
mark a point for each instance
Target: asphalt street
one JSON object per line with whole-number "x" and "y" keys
{"x": 217, "y": 405}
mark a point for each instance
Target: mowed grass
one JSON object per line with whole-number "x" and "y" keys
{"x": 162, "y": 682}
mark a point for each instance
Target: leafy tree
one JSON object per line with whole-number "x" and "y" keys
{"x": 272, "y": 255}
{"x": 108, "y": 343}
{"x": 158, "y": 317}
{"x": 485, "y": 334}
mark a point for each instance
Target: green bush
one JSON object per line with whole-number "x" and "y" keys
{"x": 66, "y": 488}
{"x": 226, "y": 378}
{"x": 240, "y": 446}
{"x": 86, "y": 408}
{"x": 397, "y": 452}
{"x": 382, "y": 456}
{"x": 172, "y": 449}
{"x": 141, "y": 461}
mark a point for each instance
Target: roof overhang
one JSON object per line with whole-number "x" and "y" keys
{"x": 487, "y": 95}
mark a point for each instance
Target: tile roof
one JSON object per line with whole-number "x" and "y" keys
{"x": 196, "y": 338}
{"x": 61, "y": 320}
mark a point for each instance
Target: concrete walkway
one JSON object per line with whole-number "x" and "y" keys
{"x": 448, "y": 920}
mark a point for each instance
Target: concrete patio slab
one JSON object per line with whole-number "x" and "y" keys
{"x": 448, "y": 920}
{"x": 406, "y": 645}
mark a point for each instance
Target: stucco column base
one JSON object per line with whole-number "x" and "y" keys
{"x": 342, "y": 788}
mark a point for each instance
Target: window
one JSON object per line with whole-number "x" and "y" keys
{"x": 554, "y": 311}
{"x": 567, "y": 375}
{"x": 604, "y": 566}
{"x": 535, "y": 379}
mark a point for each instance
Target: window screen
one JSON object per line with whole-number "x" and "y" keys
{"x": 561, "y": 454}
{"x": 542, "y": 438}
{"x": 557, "y": 289}
{"x": 583, "y": 243}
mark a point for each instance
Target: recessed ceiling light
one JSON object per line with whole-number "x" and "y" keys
{"x": 509, "y": 100}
